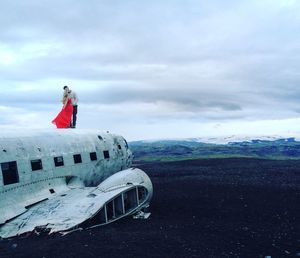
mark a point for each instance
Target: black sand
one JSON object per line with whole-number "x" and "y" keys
{"x": 203, "y": 208}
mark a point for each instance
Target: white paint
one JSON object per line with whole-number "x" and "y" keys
{"x": 61, "y": 195}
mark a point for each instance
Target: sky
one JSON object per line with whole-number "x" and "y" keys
{"x": 153, "y": 69}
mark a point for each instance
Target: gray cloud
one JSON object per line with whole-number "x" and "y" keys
{"x": 216, "y": 61}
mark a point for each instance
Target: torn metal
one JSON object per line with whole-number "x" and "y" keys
{"x": 76, "y": 180}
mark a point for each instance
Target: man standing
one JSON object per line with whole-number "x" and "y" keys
{"x": 74, "y": 99}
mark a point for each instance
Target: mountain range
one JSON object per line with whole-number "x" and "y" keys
{"x": 266, "y": 147}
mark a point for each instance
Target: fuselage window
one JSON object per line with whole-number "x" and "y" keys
{"x": 119, "y": 146}
{"x": 93, "y": 156}
{"x": 126, "y": 144}
{"x": 77, "y": 158}
{"x": 59, "y": 161}
{"x": 106, "y": 154}
{"x": 10, "y": 172}
{"x": 36, "y": 164}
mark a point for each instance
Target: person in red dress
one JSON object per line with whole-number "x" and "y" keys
{"x": 63, "y": 119}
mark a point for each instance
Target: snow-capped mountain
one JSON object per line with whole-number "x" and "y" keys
{"x": 227, "y": 139}
{"x": 269, "y": 147}
{"x": 236, "y": 139}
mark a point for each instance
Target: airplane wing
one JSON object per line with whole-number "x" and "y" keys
{"x": 116, "y": 197}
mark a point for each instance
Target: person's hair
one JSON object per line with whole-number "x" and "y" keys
{"x": 65, "y": 87}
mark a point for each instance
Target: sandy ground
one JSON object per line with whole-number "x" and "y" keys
{"x": 203, "y": 208}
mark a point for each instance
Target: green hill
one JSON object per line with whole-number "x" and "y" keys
{"x": 169, "y": 150}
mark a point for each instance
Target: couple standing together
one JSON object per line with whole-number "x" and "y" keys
{"x": 68, "y": 115}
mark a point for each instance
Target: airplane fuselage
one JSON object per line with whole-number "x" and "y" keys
{"x": 37, "y": 166}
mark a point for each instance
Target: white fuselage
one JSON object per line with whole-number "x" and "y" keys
{"x": 37, "y": 165}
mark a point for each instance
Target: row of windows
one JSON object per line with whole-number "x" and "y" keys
{"x": 10, "y": 169}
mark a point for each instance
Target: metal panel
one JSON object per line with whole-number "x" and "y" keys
{"x": 56, "y": 183}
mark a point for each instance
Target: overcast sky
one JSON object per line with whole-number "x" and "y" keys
{"x": 153, "y": 69}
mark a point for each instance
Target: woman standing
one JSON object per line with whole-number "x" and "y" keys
{"x": 63, "y": 119}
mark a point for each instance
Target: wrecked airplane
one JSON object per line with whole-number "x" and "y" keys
{"x": 62, "y": 180}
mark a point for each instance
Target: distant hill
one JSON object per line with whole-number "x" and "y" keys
{"x": 169, "y": 150}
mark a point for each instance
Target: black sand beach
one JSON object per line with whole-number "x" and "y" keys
{"x": 200, "y": 208}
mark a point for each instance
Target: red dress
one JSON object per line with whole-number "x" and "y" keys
{"x": 63, "y": 118}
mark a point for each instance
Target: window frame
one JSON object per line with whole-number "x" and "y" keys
{"x": 59, "y": 163}
{"x": 106, "y": 154}
{"x": 75, "y": 156}
{"x": 93, "y": 156}
{"x": 12, "y": 165}
{"x": 38, "y": 166}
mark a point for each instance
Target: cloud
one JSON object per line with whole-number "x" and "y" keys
{"x": 154, "y": 62}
